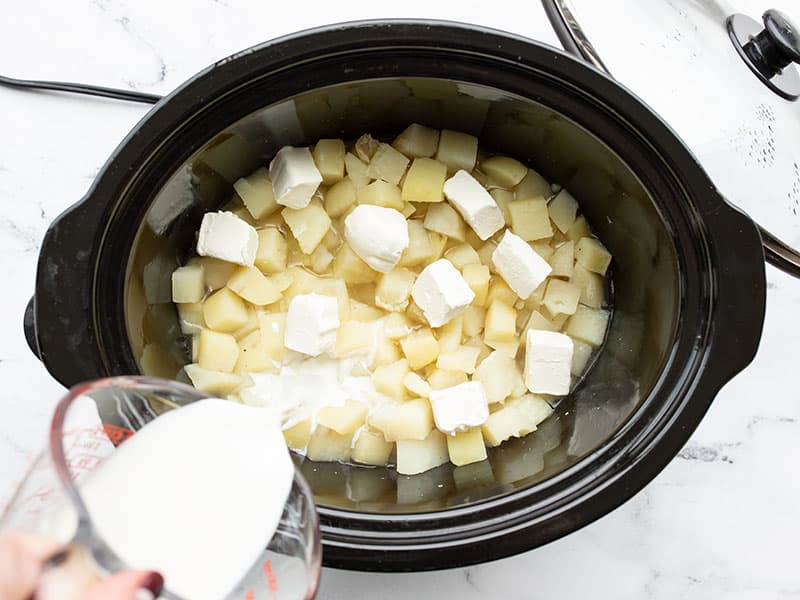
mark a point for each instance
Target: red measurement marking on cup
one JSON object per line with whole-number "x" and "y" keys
{"x": 272, "y": 579}
{"x": 117, "y": 434}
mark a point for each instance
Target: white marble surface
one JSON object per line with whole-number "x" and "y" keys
{"x": 722, "y": 521}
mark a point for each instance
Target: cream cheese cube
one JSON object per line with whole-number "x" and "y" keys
{"x": 519, "y": 265}
{"x": 225, "y": 236}
{"x": 460, "y": 407}
{"x": 378, "y": 235}
{"x": 311, "y": 324}
{"x": 295, "y": 176}
{"x": 441, "y": 292}
{"x": 474, "y": 203}
{"x": 548, "y": 362}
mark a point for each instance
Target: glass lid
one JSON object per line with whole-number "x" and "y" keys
{"x": 722, "y": 74}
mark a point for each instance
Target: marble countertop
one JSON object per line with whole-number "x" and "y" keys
{"x": 721, "y": 521}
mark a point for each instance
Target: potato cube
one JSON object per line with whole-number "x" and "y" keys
{"x": 380, "y": 193}
{"x": 329, "y": 157}
{"x": 321, "y": 259}
{"x": 466, "y": 447}
{"x": 416, "y": 385}
{"x": 473, "y": 318}
{"x": 581, "y": 353}
{"x": 191, "y": 318}
{"x": 365, "y": 147}
{"x": 462, "y": 255}
{"x": 494, "y": 374}
{"x": 420, "y": 348}
{"x": 530, "y": 219}
{"x": 396, "y": 326}
{"x": 418, "y": 456}
{"x": 424, "y": 181}
{"x": 224, "y": 311}
{"x": 588, "y": 325}
{"x": 343, "y": 419}
{"x": 501, "y": 323}
{"x": 250, "y": 284}
{"x": 372, "y": 449}
{"x": 217, "y": 351}
{"x": 562, "y": 260}
{"x": 417, "y": 141}
{"x": 543, "y": 249}
{"x": 298, "y": 435}
{"x": 340, "y": 198}
{"x": 503, "y": 198}
{"x": 510, "y": 349}
{"x": 538, "y": 321}
{"x": 441, "y": 379}
{"x": 415, "y": 315}
{"x": 250, "y": 326}
{"x": 438, "y": 243}
{"x": 349, "y": 267}
{"x": 532, "y": 185}
{"x": 188, "y": 283}
{"x": 217, "y": 383}
{"x": 506, "y": 171}
{"x": 443, "y": 218}
{"x": 386, "y": 351}
{"x": 326, "y": 445}
{"x": 353, "y": 337}
{"x": 356, "y": 170}
{"x": 409, "y": 420}
{"x": 450, "y": 334}
{"x": 457, "y": 150}
{"x": 485, "y": 253}
{"x": 499, "y": 291}
{"x": 257, "y": 194}
{"x": 462, "y": 358}
{"x": 477, "y": 278}
{"x": 563, "y": 209}
{"x": 394, "y": 289}
{"x": 517, "y": 418}
{"x": 364, "y": 312}
{"x": 273, "y": 328}
{"x": 387, "y": 164}
{"x": 156, "y": 362}
{"x": 253, "y": 354}
{"x": 420, "y": 250}
{"x": 561, "y": 297}
{"x": 579, "y": 229}
{"x": 592, "y": 255}
{"x": 337, "y": 288}
{"x": 388, "y": 379}
{"x": 216, "y": 272}
{"x": 408, "y": 209}
{"x": 272, "y": 251}
{"x": 308, "y": 225}
{"x": 592, "y": 286}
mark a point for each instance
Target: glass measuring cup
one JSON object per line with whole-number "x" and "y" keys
{"x": 89, "y": 423}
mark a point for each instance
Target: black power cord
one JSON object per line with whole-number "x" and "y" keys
{"x": 80, "y": 88}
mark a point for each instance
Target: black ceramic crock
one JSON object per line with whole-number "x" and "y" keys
{"x": 689, "y": 284}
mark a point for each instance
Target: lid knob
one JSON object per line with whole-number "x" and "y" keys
{"x": 769, "y": 52}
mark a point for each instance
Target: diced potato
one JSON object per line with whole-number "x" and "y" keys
{"x": 503, "y": 198}
{"x": 530, "y": 219}
{"x": 588, "y": 325}
{"x": 440, "y": 379}
{"x": 494, "y": 373}
{"x": 340, "y": 198}
{"x": 321, "y": 259}
{"x": 517, "y": 418}
{"x": 250, "y": 326}
{"x": 353, "y": 336}
{"x": 217, "y": 272}
{"x": 327, "y": 286}
{"x": 581, "y": 353}
{"x": 272, "y": 251}
{"x": 257, "y": 194}
{"x": 372, "y": 449}
{"x": 329, "y": 158}
{"x": 592, "y": 286}
{"x": 387, "y": 164}
{"x": 250, "y": 284}
{"x": 592, "y": 255}
{"x": 396, "y": 326}
{"x": 156, "y": 362}
{"x": 408, "y": 209}
{"x": 217, "y": 351}
{"x": 563, "y": 259}
{"x": 418, "y": 456}
{"x": 538, "y": 321}
{"x": 388, "y": 379}
{"x": 563, "y": 209}
{"x": 533, "y": 185}
{"x": 501, "y": 323}
{"x": 420, "y": 250}
{"x": 424, "y": 181}
{"x": 499, "y": 291}
{"x": 309, "y": 225}
{"x": 409, "y": 420}
{"x": 343, "y": 419}
{"x": 477, "y": 278}
{"x": 417, "y": 141}
{"x": 224, "y": 311}
{"x": 191, "y": 317}
{"x": 394, "y": 289}
{"x": 253, "y": 354}
{"x": 386, "y": 351}
{"x": 348, "y": 266}
{"x": 380, "y": 193}
{"x": 510, "y": 349}
{"x": 416, "y": 385}
{"x": 485, "y": 254}
{"x": 506, "y": 171}
{"x": 363, "y": 292}
{"x": 438, "y": 243}
{"x": 188, "y": 283}
{"x": 462, "y": 255}
{"x": 474, "y": 318}
{"x": 561, "y": 297}
{"x": 579, "y": 229}
{"x": 273, "y": 327}
{"x": 449, "y": 335}
{"x": 365, "y": 147}
{"x": 443, "y": 218}
{"x": 297, "y": 436}
{"x": 356, "y": 170}
{"x": 462, "y": 358}
{"x": 543, "y": 249}
{"x": 217, "y": 383}
{"x": 466, "y": 447}
{"x": 326, "y": 445}
{"x": 457, "y": 150}
{"x": 420, "y": 348}
{"x": 364, "y": 312}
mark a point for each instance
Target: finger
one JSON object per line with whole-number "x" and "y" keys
{"x": 19, "y": 568}
{"x": 128, "y": 585}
